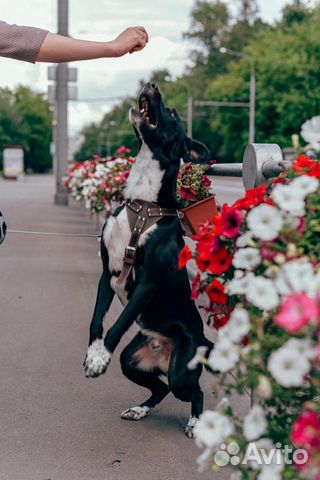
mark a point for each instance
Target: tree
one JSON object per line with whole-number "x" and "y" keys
{"x": 26, "y": 120}
{"x": 287, "y": 87}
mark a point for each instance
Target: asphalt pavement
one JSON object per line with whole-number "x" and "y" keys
{"x": 54, "y": 423}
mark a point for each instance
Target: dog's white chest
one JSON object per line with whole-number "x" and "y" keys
{"x": 116, "y": 238}
{"x": 145, "y": 178}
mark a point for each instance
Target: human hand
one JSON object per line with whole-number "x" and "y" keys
{"x": 131, "y": 40}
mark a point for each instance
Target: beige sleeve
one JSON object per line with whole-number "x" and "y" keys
{"x": 19, "y": 42}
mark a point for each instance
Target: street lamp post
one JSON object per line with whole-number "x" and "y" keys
{"x": 61, "y": 112}
{"x": 252, "y": 103}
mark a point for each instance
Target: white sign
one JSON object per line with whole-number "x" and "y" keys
{"x": 13, "y": 162}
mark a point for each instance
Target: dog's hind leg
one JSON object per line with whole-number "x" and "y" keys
{"x": 147, "y": 379}
{"x": 98, "y": 358}
{"x": 184, "y": 383}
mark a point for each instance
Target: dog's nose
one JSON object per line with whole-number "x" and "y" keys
{"x": 152, "y": 86}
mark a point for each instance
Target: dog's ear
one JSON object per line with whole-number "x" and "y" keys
{"x": 196, "y": 152}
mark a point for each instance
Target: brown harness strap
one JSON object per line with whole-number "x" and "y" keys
{"x": 141, "y": 216}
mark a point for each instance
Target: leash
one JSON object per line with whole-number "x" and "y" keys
{"x": 55, "y": 234}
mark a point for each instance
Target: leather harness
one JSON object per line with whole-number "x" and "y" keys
{"x": 141, "y": 216}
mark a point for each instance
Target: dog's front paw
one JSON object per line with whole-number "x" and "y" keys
{"x": 135, "y": 413}
{"x": 189, "y": 430}
{"x": 97, "y": 359}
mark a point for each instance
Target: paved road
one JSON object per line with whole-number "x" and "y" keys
{"x": 54, "y": 423}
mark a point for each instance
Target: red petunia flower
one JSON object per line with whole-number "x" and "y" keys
{"x": 187, "y": 193}
{"x": 206, "y": 182}
{"x": 220, "y": 261}
{"x": 253, "y": 198}
{"x": 231, "y": 221}
{"x": 203, "y": 260}
{"x": 307, "y": 166}
{"x": 196, "y": 287}
{"x": 184, "y": 257}
{"x": 216, "y": 292}
{"x": 278, "y": 180}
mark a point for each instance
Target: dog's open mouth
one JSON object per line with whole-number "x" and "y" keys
{"x": 147, "y": 111}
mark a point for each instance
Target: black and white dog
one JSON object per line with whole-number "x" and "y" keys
{"x": 157, "y": 295}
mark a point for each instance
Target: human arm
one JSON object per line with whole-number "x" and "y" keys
{"x": 56, "y": 48}
{"x": 37, "y": 45}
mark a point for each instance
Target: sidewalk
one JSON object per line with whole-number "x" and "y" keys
{"x": 55, "y": 424}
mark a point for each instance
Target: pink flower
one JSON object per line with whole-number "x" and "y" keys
{"x": 231, "y": 221}
{"x": 296, "y": 312}
{"x": 206, "y": 182}
{"x": 187, "y": 193}
{"x": 306, "y": 431}
{"x": 124, "y": 176}
{"x": 268, "y": 254}
{"x": 303, "y": 225}
{"x": 123, "y": 150}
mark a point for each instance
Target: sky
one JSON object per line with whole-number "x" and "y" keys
{"x": 101, "y": 20}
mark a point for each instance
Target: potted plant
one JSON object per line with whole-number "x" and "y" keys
{"x": 194, "y": 193}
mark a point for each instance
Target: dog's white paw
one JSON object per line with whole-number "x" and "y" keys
{"x": 189, "y": 430}
{"x": 135, "y": 413}
{"x": 97, "y": 359}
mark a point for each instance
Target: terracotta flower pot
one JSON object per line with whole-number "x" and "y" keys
{"x": 191, "y": 217}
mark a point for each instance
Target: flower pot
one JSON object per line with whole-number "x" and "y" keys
{"x": 191, "y": 217}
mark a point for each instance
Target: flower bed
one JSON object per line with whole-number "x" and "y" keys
{"x": 258, "y": 265}
{"x": 100, "y": 183}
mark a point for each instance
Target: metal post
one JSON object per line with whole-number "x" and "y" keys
{"x": 61, "y": 107}
{"x": 252, "y": 120}
{"x": 190, "y": 115}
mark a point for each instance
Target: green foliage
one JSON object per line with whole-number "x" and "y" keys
{"x": 287, "y": 87}
{"x": 286, "y": 58}
{"x": 26, "y": 120}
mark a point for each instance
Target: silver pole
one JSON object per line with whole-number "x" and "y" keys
{"x": 61, "y": 107}
{"x": 252, "y": 115}
{"x": 190, "y": 115}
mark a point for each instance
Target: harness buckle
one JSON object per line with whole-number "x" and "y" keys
{"x": 130, "y": 255}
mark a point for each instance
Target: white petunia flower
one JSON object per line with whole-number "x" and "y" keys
{"x": 261, "y": 292}
{"x": 310, "y": 132}
{"x": 313, "y": 288}
{"x": 265, "y": 222}
{"x": 238, "y": 285}
{"x": 255, "y": 423}
{"x": 289, "y": 199}
{"x": 247, "y": 258}
{"x": 212, "y": 429}
{"x": 303, "y": 347}
{"x": 224, "y": 356}
{"x": 244, "y": 240}
{"x": 237, "y": 327}
{"x": 199, "y": 356}
{"x": 264, "y": 388}
{"x": 299, "y": 275}
{"x": 287, "y": 367}
{"x": 305, "y": 184}
{"x": 291, "y": 221}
